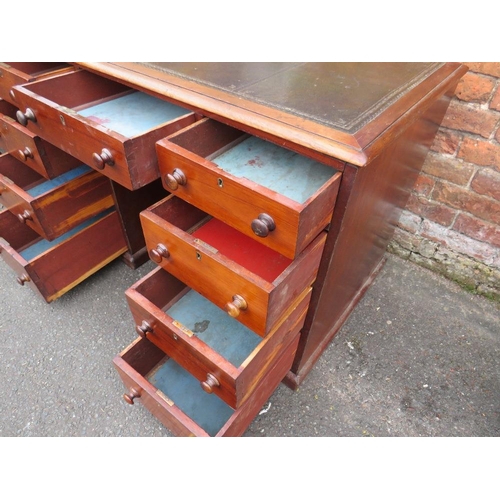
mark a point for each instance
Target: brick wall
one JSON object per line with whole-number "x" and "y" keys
{"x": 452, "y": 221}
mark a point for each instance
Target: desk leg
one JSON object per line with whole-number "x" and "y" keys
{"x": 129, "y": 204}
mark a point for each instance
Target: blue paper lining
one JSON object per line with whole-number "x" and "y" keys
{"x": 58, "y": 181}
{"x": 133, "y": 114}
{"x": 281, "y": 170}
{"x": 43, "y": 245}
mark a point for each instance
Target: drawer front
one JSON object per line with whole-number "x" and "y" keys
{"x": 251, "y": 282}
{"x": 176, "y": 399}
{"x": 103, "y": 123}
{"x": 53, "y": 268}
{"x": 226, "y": 357}
{"x": 52, "y": 207}
{"x": 18, "y": 73}
{"x": 38, "y": 154}
{"x": 278, "y": 197}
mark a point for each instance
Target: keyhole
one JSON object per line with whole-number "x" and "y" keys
{"x": 220, "y": 182}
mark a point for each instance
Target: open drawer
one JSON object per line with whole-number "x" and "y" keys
{"x": 176, "y": 399}
{"x": 31, "y": 149}
{"x": 265, "y": 191}
{"x": 226, "y": 357}
{"x": 105, "y": 124}
{"x": 252, "y": 282}
{"x": 17, "y": 73}
{"x": 53, "y": 268}
{"x": 52, "y": 207}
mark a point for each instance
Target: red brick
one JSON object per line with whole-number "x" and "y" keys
{"x": 459, "y": 242}
{"x": 468, "y": 201}
{"x": 423, "y": 185}
{"x": 463, "y": 116}
{"x": 475, "y": 88}
{"x": 495, "y": 102}
{"x": 486, "y": 68}
{"x": 431, "y": 210}
{"x": 487, "y": 182}
{"x": 478, "y": 229}
{"x": 446, "y": 141}
{"x": 450, "y": 169}
{"x": 480, "y": 152}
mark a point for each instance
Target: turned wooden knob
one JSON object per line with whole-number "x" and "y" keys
{"x": 103, "y": 159}
{"x": 236, "y": 306}
{"x": 175, "y": 179}
{"x": 143, "y": 329}
{"x": 263, "y": 225}
{"x": 26, "y": 215}
{"x": 129, "y": 398}
{"x": 210, "y": 383}
{"x": 25, "y": 154}
{"x": 159, "y": 253}
{"x": 24, "y": 278}
{"x": 23, "y": 118}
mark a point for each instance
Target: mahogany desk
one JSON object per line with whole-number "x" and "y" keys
{"x": 377, "y": 120}
{"x": 371, "y": 123}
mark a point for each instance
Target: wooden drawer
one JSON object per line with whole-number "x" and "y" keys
{"x": 53, "y": 268}
{"x": 17, "y": 73}
{"x": 176, "y": 399}
{"x": 105, "y": 124}
{"x": 269, "y": 193}
{"x": 52, "y": 207}
{"x": 31, "y": 149}
{"x": 252, "y": 282}
{"x": 225, "y": 356}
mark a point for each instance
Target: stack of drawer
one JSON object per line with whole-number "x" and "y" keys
{"x": 58, "y": 224}
{"x": 238, "y": 242}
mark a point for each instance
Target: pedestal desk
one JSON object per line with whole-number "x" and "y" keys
{"x": 351, "y": 138}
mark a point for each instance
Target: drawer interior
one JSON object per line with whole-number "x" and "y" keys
{"x": 40, "y": 246}
{"x": 245, "y": 251}
{"x": 214, "y": 234}
{"x": 223, "y": 334}
{"x": 290, "y": 174}
{"x": 214, "y": 327}
{"x": 33, "y": 183}
{"x": 7, "y": 109}
{"x": 278, "y": 169}
{"x": 19, "y": 236}
{"x": 48, "y": 185}
{"x": 133, "y": 114}
{"x": 37, "y": 68}
{"x": 108, "y": 103}
{"x": 207, "y": 410}
{"x": 19, "y": 173}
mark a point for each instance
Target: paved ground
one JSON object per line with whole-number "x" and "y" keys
{"x": 418, "y": 357}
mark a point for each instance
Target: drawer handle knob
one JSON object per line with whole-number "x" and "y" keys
{"x": 143, "y": 329}
{"x": 263, "y": 225}
{"x": 129, "y": 398}
{"x": 24, "y": 278}
{"x": 236, "y": 306}
{"x": 159, "y": 253}
{"x": 175, "y": 179}
{"x": 23, "y": 118}
{"x": 26, "y": 215}
{"x": 210, "y": 383}
{"x": 103, "y": 159}
{"x": 24, "y": 155}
